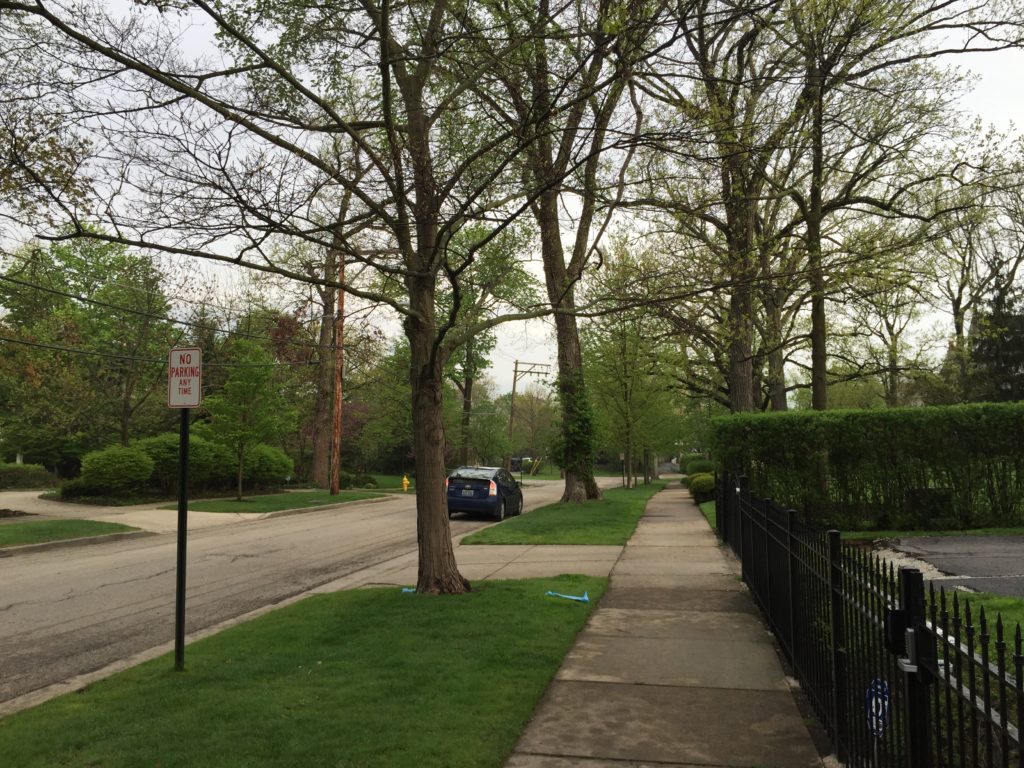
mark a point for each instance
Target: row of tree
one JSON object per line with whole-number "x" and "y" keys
{"x": 86, "y": 330}
{"x": 777, "y": 154}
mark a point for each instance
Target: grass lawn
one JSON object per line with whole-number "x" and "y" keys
{"x": 1010, "y": 608}
{"x": 361, "y": 678}
{"x": 275, "y": 502}
{"x": 39, "y": 531}
{"x": 708, "y": 508}
{"x": 610, "y": 520}
{"x": 393, "y": 482}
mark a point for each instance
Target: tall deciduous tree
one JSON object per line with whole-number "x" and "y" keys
{"x": 568, "y": 86}
{"x": 250, "y": 409}
{"x": 225, "y": 161}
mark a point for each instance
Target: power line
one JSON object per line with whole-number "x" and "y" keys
{"x": 152, "y": 360}
{"x": 228, "y": 310}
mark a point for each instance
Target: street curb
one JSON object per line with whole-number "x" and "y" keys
{"x": 319, "y": 507}
{"x": 77, "y": 542}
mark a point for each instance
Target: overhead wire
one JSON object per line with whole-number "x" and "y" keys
{"x": 152, "y": 360}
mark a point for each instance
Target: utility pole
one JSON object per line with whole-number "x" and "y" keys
{"x": 528, "y": 369}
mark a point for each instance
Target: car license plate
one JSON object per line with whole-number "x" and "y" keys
{"x": 468, "y": 492}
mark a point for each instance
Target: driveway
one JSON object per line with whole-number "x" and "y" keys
{"x": 147, "y": 517}
{"x": 981, "y": 563}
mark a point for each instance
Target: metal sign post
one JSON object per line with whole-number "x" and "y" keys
{"x": 184, "y": 391}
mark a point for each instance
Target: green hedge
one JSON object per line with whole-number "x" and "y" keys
{"x": 25, "y": 476}
{"x": 702, "y": 487}
{"x": 942, "y": 467}
{"x": 700, "y": 467}
{"x": 116, "y": 469}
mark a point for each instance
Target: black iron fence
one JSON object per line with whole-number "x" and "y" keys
{"x": 899, "y": 676}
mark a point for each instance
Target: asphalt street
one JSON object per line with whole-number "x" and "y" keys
{"x": 69, "y": 611}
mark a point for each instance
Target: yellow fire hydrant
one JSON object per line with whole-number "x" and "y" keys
{"x": 405, "y": 483}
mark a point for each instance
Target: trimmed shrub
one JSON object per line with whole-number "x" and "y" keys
{"x": 355, "y": 480}
{"x": 346, "y": 479}
{"x": 25, "y": 476}
{"x": 116, "y": 469}
{"x": 78, "y": 488}
{"x": 702, "y": 487}
{"x": 686, "y": 458}
{"x": 364, "y": 480}
{"x": 954, "y": 466}
{"x": 209, "y": 464}
{"x": 163, "y": 450}
{"x": 266, "y": 466}
{"x": 700, "y": 466}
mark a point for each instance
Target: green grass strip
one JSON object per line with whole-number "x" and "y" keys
{"x": 276, "y": 502}
{"x": 708, "y": 509}
{"x": 362, "y": 678}
{"x": 40, "y": 531}
{"x": 610, "y": 520}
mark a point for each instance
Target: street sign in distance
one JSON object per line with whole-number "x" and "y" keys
{"x": 185, "y": 378}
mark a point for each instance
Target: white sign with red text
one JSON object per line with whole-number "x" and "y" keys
{"x": 185, "y": 378}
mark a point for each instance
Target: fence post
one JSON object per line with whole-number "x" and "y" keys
{"x": 721, "y": 506}
{"x": 765, "y": 505}
{"x": 741, "y": 493}
{"x": 915, "y": 674}
{"x": 791, "y": 580}
{"x": 839, "y": 678}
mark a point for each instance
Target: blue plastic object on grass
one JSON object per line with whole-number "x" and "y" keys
{"x": 408, "y": 589}
{"x": 584, "y": 598}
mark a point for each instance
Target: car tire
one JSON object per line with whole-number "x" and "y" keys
{"x": 500, "y": 514}
{"x": 519, "y": 507}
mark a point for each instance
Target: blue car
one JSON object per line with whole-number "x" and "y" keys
{"x": 484, "y": 490}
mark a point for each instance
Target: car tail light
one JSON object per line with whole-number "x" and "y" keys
{"x": 493, "y": 489}
{"x": 446, "y": 483}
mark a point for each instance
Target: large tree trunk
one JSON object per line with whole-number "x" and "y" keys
{"x": 322, "y": 407}
{"x": 467, "y": 413}
{"x": 775, "y": 353}
{"x": 241, "y": 468}
{"x": 740, "y": 349}
{"x": 819, "y": 362}
{"x": 438, "y": 571}
{"x": 741, "y": 213}
{"x": 577, "y": 422}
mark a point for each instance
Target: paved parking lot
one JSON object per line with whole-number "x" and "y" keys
{"x": 982, "y": 563}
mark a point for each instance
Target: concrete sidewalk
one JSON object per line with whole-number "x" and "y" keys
{"x": 674, "y": 668}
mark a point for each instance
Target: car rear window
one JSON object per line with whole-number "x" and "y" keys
{"x": 473, "y": 473}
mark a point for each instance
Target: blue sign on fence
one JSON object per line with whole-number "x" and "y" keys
{"x": 876, "y": 706}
